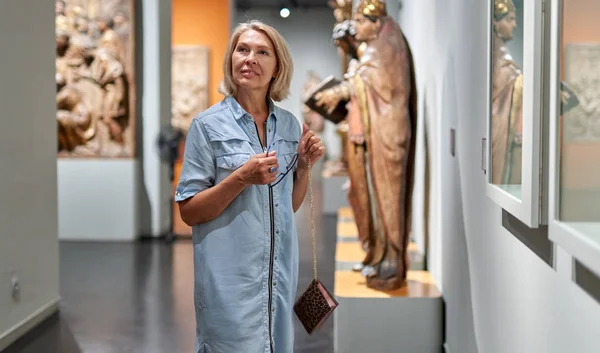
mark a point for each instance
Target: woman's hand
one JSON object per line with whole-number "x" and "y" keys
{"x": 310, "y": 146}
{"x": 260, "y": 169}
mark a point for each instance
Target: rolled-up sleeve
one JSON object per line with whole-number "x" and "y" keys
{"x": 198, "y": 170}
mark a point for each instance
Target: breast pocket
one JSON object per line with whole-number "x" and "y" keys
{"x": 229, "y": 163}
{"x": 231, "y": 148}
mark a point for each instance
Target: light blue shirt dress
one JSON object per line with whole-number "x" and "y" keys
{"x": 245, "y": 260}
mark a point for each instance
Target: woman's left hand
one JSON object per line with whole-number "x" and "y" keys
{"x": 310, "y": 146}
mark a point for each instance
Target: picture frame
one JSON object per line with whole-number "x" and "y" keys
{"x": 575, "y": 235}
{"x": 514, "y": 182}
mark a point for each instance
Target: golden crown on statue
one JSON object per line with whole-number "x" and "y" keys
{"x": 374, "y": 8}
{"x": 502, "y": 7}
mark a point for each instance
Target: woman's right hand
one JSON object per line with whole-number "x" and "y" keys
{"x": 260, "y": 169}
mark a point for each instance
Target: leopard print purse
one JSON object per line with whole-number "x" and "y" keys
{"x": 316, "y": 304}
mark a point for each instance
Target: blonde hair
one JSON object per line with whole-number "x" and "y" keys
{"x": 279, "y": 88}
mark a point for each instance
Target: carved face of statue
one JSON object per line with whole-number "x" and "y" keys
{"x": 365, "y": 28}
{"x": 505, "y": 27}
{"x": 59, "y": 7}
{"x": 254, "y": 61}
{"x": 62, "y": 40}
{"x": 82, "y": 25}
{"x": 120, "y": 19}
{"x": 102, "y": 25}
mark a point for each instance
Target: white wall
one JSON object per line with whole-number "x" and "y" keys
{"x": 28, "y": 218}
{"x": 308, "y": 33}
{"x": 500, "y": 297}
{"x": 156, "y": 196}
{"x": 427, "y": 57}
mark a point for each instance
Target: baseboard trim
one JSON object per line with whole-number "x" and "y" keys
{"x": 29, "y": 323}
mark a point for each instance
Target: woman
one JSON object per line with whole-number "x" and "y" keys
{"x": 245, "y": 173}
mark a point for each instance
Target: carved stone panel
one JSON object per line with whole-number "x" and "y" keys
{"x": 582, "y": 74}
{"x": 189, "y": 90}
{"x": 95, "y": 78}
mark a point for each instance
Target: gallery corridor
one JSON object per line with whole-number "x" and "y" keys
{"x": 457, "y": 189}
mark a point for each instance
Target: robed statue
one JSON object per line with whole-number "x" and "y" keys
{"x": 381, "y": 93}
{"x": 507, "y": 99}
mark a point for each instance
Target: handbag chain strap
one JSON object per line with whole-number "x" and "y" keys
{"x": 312, "y": 220}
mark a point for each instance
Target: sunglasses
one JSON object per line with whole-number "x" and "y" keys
{"x": 288, "y": 168}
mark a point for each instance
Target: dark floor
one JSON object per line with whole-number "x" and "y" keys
{"x": 137, "y": 298}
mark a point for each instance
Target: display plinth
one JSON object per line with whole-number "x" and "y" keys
{"x": 345, "y": 214}
{"x": 349, "y": 254}
{"x": 334, "y": 195}
{"x": 97, "y": 199}
{"x": 410, "y": 319}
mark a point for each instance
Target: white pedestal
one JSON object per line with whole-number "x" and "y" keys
{"x": 408, "y": 321}
{"x": 97, "y": 199}
{"x": 334, "y": 197}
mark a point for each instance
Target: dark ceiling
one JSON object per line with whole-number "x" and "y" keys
{"x": 253, "y": 4}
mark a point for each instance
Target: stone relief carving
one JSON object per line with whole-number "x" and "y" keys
{"x": 95, "y": 83}
{"x": 189, "y": 90}
{"x": 582, "y": 74}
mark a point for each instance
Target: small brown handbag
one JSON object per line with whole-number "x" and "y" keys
{"x": 316, "y": 304}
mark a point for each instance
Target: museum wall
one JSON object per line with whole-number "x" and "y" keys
{"x": 99, "y": 118}
{"x": 427, "y": 223}
{"x": 204, "y": 23}
{"x": 202, "y": 28}
{"x": 28, "y": 221}
{"x": 308, "y": 33}
{"x": 154, "y": 199}
{"x": 500, "y": 297}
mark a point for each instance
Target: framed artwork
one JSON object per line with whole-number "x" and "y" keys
{"x": 189, "y": 84}
{"x": 513, "y": 142}
{"x": 574, "y": 186}
{"x": 95, "y": 78}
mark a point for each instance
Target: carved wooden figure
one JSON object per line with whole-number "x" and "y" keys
{"x": 381, "y": 91}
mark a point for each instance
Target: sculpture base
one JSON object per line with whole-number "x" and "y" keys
{"x": 97, "y": 199}
{"x": 409, "y": 319}
{"x": 334, "y": 195}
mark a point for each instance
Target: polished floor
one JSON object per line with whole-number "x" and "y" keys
{"x": 137, "y": 298}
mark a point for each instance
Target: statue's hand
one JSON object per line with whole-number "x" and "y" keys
{"x": 329, "y": 99}
{"x": 358, "y": 139}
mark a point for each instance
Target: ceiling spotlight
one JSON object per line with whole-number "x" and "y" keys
{"x": 285, "y": 12}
